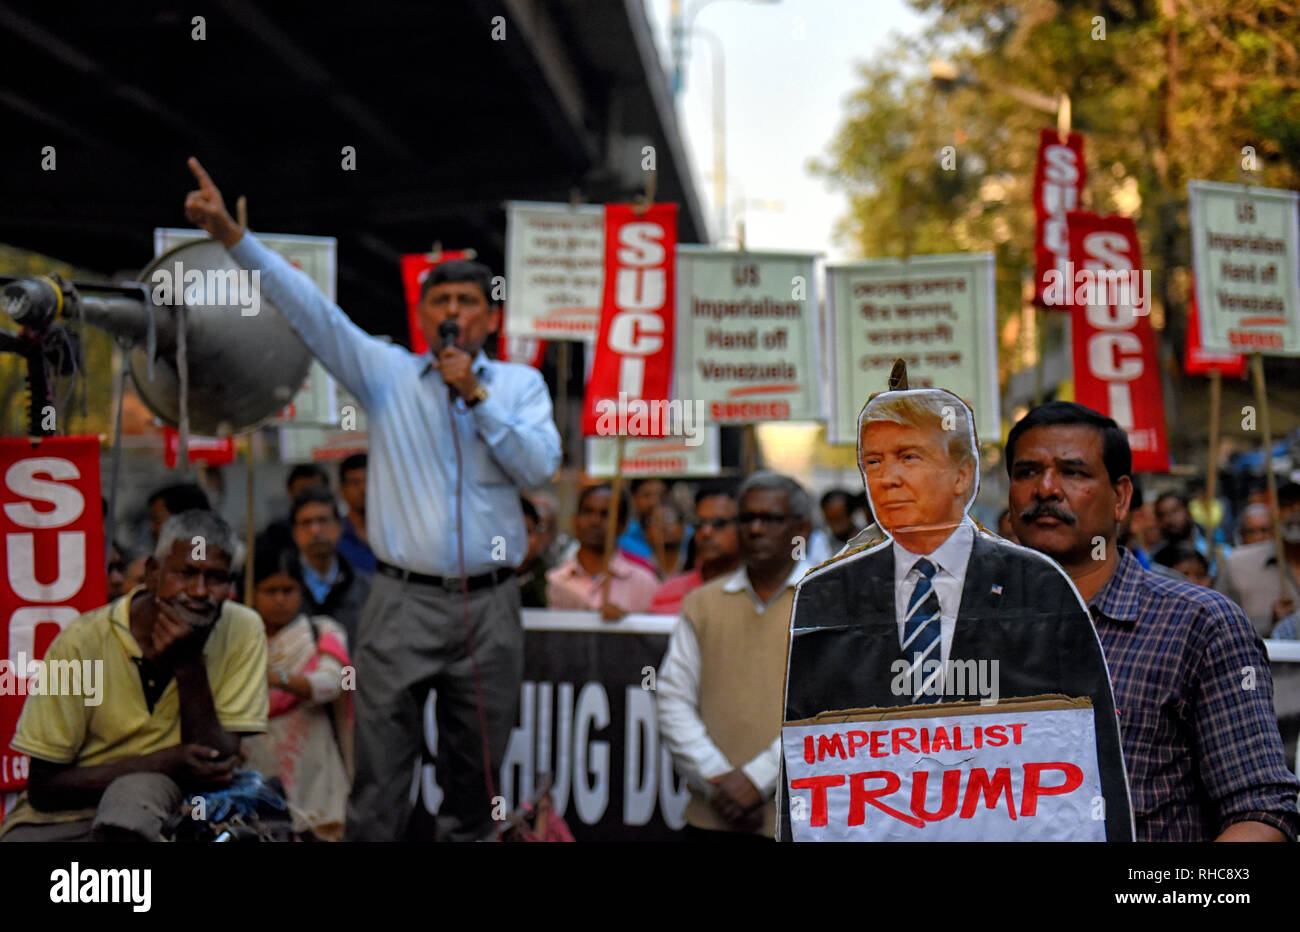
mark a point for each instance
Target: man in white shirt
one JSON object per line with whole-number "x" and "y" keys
{"x": 719, "y": 687}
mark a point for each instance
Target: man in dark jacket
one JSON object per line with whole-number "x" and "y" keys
{"x": 331, "y": 586}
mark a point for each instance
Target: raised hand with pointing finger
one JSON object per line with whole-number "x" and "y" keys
{"x": 206, "y": 209}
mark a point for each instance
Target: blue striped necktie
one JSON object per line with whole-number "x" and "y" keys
{"x": 921, "y": 633}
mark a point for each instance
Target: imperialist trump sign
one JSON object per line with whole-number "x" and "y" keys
{"x": 1019, "y": 771}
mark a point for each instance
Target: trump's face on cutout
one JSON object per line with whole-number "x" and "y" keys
{"x": 916, "y": 489}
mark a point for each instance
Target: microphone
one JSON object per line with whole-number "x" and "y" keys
{"x": 448, "y": 333}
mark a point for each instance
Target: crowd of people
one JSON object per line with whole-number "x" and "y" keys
{"x": 313, "y": 570}
{"x": 320, "y": 683}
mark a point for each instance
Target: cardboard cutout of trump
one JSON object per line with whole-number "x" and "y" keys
{"x": 927, "y": 607}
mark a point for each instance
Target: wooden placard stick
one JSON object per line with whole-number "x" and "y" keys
{"x": 644, "y": 202}
{"x": 1265, "y": 426}
{"x": 1212, "y": 479}
{"x": 250, "y": 515}
{"x": 250, "y": 532}
{"x": 611, "y": 521}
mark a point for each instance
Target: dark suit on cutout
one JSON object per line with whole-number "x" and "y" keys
{"x": 1017, "y": 607}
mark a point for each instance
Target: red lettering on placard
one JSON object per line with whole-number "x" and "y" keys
{"x": 947, "y": 799}
{"x": 978, "y": 783}
{"x": 830, "y": 745}
{"x": 1248, "y": 340}
{"x": 859, "y": 797}
{"x": 901, "y": 742}
{"x": 940, "y": 740}
{"x": 749, "y": 411}
{"x": 818, "y": 785}
{"x": 1034, "y": 788}
{"x": 993, "y": 792}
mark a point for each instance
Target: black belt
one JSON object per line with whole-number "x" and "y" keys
{"x": 449, "y": 583}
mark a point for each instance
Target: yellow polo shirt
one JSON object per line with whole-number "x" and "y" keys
{"x": 63, "y": 729}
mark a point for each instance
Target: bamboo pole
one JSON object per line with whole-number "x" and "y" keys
{"x": 250, "y": 532}
{"x": 1212, "y": 478}
{"x": 1266, "y": 428}
{"x": 611, "y": 521}
{"x": 250, "y": 513}
{"x": 750, "y": 449}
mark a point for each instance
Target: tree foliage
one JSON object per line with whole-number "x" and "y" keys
{"x": 1176, "y": 90}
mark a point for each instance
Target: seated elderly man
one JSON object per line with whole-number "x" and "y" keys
{"x": 182, "y": 677}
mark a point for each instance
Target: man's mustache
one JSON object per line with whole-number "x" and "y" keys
{"x": 1046, "y": 510}
{"x": 198, "y": 617}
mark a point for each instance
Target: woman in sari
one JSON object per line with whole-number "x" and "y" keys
{"x": 308, "y": 730}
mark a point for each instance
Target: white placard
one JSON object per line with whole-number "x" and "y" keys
{"x": 555, "y": 270}
{"x": 936, "y": 312}
{"x": 1028, "y": 775}
{"x": 747, "y": 335}
{"x": 656, "y": 456}
{"x": 1247, "y": 260}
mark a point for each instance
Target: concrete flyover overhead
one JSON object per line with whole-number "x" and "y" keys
{"x": 447, "y": 123}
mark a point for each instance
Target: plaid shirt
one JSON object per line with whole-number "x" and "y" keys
{"x": 1195, "y": 701}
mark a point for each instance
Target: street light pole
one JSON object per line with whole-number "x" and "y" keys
{"x": 719, "y": 90}
{"x": 680, "y": 28}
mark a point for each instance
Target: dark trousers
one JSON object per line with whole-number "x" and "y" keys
{"x": 412, "y": 639}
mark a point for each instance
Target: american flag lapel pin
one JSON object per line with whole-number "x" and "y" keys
{"x": 996, "y": 590}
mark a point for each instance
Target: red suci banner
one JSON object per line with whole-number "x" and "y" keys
{"x": 1058, "y": 189}
{"x": 526, "y": 350}
{"x": 415, "y": 268}
{"x": 52, "y": 551}
{"x": 633, "y": 362}
{"x": 1199, "y": 361}
{"x": 215, "y": 451}
{"x": 1115, "y": 367}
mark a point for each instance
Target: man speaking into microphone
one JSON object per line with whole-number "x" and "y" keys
{"x": 454, "y": 437}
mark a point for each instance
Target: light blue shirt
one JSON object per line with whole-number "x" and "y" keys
{"x": 319, "y": 585}
{"x": 508, "y": 441}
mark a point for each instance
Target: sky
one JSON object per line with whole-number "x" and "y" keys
{"x": 789, "y": 65}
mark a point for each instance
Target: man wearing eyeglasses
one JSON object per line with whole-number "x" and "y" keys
{"x": 331, "y": 584}
{"x": 719, "y": 686}
{"x": 716, "y": 544}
